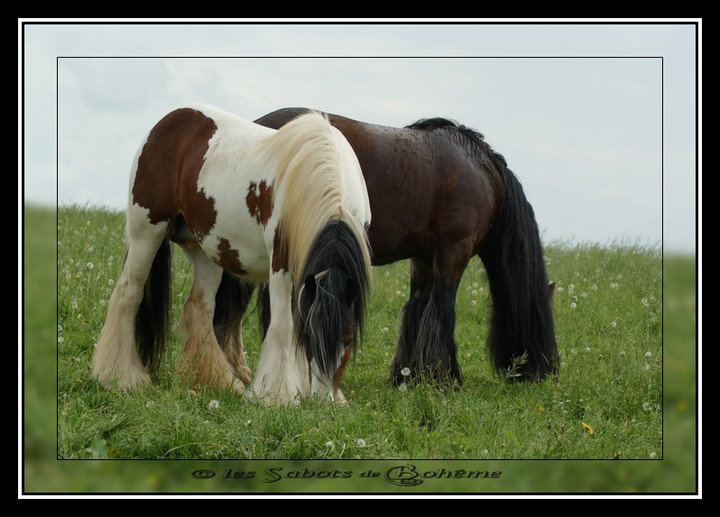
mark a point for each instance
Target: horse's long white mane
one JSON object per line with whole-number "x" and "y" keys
{"x": 310, "y": 176}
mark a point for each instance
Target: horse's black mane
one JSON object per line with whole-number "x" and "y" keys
{"x": 439, "y": 123}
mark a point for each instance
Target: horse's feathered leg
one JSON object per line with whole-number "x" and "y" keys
{"x": 144, "y": 283}
{"x": 281, "y": 375}
{"x": 437, "y": 348}
{"x": 421, "y": 280}
{"x": 203, "y": 361}
{"x": 426, "y": 344}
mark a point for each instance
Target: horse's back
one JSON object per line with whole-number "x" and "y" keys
{"x": 416, "y": 182}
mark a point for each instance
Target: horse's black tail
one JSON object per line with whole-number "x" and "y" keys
{"x": 152, "y": 321}
{"x": 332, "y": 299}
{"x": 521, "y": 339}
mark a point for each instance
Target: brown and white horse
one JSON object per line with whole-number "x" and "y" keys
{"x": 285, "y": 207}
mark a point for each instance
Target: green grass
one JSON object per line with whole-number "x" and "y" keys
{"x": 607, "y": 401}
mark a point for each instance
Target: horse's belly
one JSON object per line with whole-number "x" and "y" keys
{"x": 239, "y": 247}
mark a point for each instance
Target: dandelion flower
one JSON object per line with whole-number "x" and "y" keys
{"x": 214, "y": 404}
{"x": 573, "y": 305}
{"x": 653, "y": 455}
{"x": 541, "y": 409}
{"x": 360, "y": 442}
{"x": 403, "y": 387}
{"x": 648, "y": 354}
{"x": 329, "y": 444}
{"x": 405, "y": 371}
{"x": 646, "y": 406}
{"x": 473, "y": 303}
{"x": 89, "y": 265}
{"x": 613, "y": 324}
{"x": 588, "y": 429}
{"x": 149, "y": 403}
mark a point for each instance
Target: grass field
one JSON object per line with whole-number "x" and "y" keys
{"x": 609, "y": 401}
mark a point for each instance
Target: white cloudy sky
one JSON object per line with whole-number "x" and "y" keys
{"x": 598, "y": 121}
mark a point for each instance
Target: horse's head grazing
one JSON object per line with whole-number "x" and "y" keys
{"x": 331, "y": 305}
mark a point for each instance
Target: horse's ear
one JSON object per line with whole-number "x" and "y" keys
{"x": 310, "y": 286}
{"x": 552, "y": 287}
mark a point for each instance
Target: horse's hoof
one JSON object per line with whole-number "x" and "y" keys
{"x": 125, "y": 385}
{"x": 339, "y": 399}
{"x": 237, "y": 386}
{"x": 245, "y": 375}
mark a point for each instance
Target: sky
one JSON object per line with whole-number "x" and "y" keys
{"x": 597, "y": 120}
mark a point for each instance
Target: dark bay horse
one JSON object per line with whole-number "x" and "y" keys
{"x": 440, "y": 195}
{"x": 287, "y": 208}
